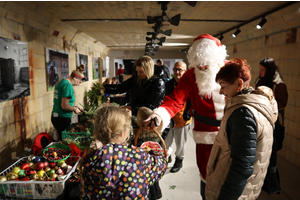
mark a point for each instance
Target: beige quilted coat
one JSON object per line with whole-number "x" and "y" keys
{"x": 263, "y": 106}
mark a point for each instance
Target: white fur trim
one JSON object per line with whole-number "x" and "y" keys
{"x": 219, "y": 103}
{"x": 165, "y": 118}
{"x": 204, "y": 137}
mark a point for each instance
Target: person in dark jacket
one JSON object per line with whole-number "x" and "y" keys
{"x": 161, "y": 67}
{"x": 270, "y": 77}
{"x": 146, "y": 90}
{"x": 182, "y": 121}
{"x": 240, "y": 155}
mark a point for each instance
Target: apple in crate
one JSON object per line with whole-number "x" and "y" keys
{"x": 25, "y": 166}
{"x": 52, "y": 165}
{"x": 39, "y": 166}
{"x": 41, "y": 173}
{"x": 46, "y": 164}
{"x": 51, "y": 171}
{"x": 3, "y": 179}
{"x": 16, "y": 170}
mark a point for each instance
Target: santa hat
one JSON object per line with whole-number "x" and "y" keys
{"x": 218, "y": 42}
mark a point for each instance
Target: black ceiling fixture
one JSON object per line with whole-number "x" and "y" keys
{"x": 261, "y": 23}
{"x": 152, "y": 47}
{"x": 256, "y": 18}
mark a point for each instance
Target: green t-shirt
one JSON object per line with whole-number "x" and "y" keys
{"x": 63, "y": 89}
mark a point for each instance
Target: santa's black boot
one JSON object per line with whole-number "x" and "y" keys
{"x": 177, "y": 165}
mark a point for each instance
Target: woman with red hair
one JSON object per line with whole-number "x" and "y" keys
{"x": 240, "y": 154}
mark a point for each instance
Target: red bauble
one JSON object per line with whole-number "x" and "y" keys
{"x": 25, "y": 166}
{"x": 39, "y": 166}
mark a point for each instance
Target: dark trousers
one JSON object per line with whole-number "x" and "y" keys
{"x": 60, "y": 124}
{"x": 120, "y": 78}
{"x": 202, "y": 189}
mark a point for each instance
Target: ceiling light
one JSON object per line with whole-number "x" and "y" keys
{"x": 261, "y": 23}
{"x": 221, "y": 37}
{"x": 236, "y": 32}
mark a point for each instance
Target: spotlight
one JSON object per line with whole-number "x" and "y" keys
{"x": 236, "y": 32}
{"x": 221, "y": 37}
{"x": 261, "y": 23}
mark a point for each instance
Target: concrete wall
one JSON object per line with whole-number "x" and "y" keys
{"x": 22, "y": 119}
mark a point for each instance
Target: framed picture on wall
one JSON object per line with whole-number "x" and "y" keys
{"x": 14, "y": 70}
{"x": 95, "y": 68}
{"x": 57, "y": 66}
{"x": 83, "y": 59}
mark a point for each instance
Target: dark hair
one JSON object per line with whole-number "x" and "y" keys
{"x": 271, "y": 67}
{"x": 234, "y": 69}
{"x": 160, "y": 61}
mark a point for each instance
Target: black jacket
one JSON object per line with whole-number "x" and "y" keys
{"x": 170, "y": 86}
{"x": 150, "y": 94}
{"x": 163, "y": 71}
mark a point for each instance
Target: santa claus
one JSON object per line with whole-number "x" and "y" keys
{"x": 205, "y": 58}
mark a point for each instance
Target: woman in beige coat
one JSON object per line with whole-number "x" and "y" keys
{"x": 240, "y": 155}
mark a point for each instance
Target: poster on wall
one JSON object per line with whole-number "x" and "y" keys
{"x": 57, "y": 66}
{"x": 14, "y": 69}
{"x": 95, "y": 68}
{"x": 83, "y": 59}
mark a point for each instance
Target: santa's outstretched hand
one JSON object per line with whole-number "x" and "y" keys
{"x": 152, "y": 122}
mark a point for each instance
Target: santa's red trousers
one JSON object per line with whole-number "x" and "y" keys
{"x": 202, "y": 156}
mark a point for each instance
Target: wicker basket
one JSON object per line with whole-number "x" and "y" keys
{"x": 161, "y": 139}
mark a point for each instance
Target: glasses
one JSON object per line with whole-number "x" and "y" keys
{"x": 178, "y": 70}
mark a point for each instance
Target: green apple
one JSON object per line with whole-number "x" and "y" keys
{"x": 51, "y": 171}
{"x": 60, "y": 162}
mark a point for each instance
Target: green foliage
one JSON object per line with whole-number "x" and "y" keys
{"x": 94, "y": 98}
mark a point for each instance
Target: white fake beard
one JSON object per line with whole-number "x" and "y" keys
{"x": 205, "y": 81}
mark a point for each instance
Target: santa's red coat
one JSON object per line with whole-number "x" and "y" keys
{"x": 210, "y": 106}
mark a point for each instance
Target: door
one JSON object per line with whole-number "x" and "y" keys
{"x": 7, "y": 73}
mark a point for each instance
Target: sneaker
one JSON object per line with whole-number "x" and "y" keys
{"x": 177, "y": 165}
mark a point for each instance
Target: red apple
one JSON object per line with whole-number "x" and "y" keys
{"x": 25, "y": 166}
{"x": 46, "y": 164}
{"x": 30, "y": 171}
{"x": 39, "y": 166}
{"x": 52, "y": 165}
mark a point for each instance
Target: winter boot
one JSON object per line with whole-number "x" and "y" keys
{"x": 177, "y": 165}
{"x": 170, "y": 159}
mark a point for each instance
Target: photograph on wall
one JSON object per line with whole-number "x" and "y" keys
{"x": 95, "y": 68}
{"x": 57, "y": 66}
{"x": 14, "y": 69}
{"x": 83, "y": 59}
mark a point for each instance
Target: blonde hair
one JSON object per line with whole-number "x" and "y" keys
{"x": 79, "y": 70}
{"x": 110, "y": 122}
{"x": 146, "y": 63}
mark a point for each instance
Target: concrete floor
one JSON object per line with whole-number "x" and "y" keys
{"x": 185, "y": 184}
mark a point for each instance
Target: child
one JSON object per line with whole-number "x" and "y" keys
{"x": 117, "y": 171}
{"x": 144, "y": 113}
